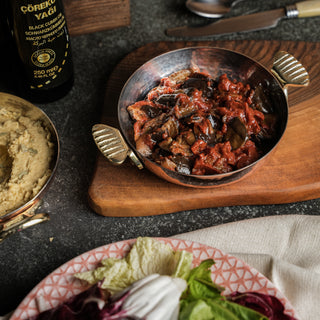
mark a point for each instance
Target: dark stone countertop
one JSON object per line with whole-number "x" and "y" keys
{"x": 28, "y": 256}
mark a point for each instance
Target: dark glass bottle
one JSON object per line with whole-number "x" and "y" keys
{"x": 42, "y": 40}
{"x": 6, "y": 50}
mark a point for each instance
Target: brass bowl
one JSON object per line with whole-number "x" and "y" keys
{"x": 8, "y": 100}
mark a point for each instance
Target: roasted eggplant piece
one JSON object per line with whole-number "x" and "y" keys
{"x": 236, "y": 133}
{"x": 180, "y": 75}
{"x": 167, "y": 99}
{"x": 144, "y": 110}
{"x": 260, "y": 101}
{"x": 201, "y": 82}
{"x": 183, "y": 164}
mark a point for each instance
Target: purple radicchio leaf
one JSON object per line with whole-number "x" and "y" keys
{"x": 267, "y": 305}
{"x": 93, "y": 303}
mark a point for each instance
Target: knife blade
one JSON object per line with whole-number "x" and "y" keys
{"x": 251, "y": 22}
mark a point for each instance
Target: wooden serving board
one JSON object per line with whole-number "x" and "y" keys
{"x": 290, "y": 174}
{"x": 87, "y": 16}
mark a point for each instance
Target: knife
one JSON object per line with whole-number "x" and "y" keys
{"x": 250, "y": 22}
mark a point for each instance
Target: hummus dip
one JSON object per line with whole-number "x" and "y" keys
{"x": 26, "y": 152}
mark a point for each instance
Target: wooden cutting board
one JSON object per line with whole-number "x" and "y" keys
{"x": 87, "y": 16}
{"x": 290, "y": 174}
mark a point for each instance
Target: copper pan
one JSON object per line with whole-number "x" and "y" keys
{"x": 286, "y": 71}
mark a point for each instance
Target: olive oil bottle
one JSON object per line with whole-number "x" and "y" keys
{"x": 41, "y": 37}
{"x": 5, "y": 48}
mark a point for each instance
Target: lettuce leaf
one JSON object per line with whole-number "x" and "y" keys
{"x": 202, "y": 300}
{"x": 200, "y": 284}
{"x": 147, "y": 256}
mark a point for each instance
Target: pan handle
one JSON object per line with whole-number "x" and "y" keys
{"x": 289, "y": 71}
{"x": 26, "y": 220}
{"x": 112, "y": 145}
{"x": 135, "y": 160}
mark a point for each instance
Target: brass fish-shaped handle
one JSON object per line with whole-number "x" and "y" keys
{"x": 112, "y": 145}
{"x": 289, "y": 71}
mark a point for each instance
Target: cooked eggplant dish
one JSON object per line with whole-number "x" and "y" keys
{"x": 194, "y": 124}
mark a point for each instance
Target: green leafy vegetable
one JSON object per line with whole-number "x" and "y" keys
{"x": 202, "y": 300}
{"x": 200, "y": 284}
{"x": 147, "y": 256}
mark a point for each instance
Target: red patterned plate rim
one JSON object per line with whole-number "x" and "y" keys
{"x": 228, "y": 271}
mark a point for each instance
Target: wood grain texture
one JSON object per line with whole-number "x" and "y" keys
{"x": 291, "y": 173}
{"x": 87, "y": 16}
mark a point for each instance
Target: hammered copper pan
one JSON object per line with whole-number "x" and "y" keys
{"x": 286, "y": 71}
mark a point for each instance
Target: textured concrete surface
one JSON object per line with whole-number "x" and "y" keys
{"x": 28, "y": 256}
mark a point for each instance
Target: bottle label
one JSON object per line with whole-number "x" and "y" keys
{"x": 43, "y": 42}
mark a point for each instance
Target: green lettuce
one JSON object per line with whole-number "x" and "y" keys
{"x": 203, "y": 299}
{"x": 147, "y": 256}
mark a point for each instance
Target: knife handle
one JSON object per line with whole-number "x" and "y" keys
{"x": 308, "y": 8}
